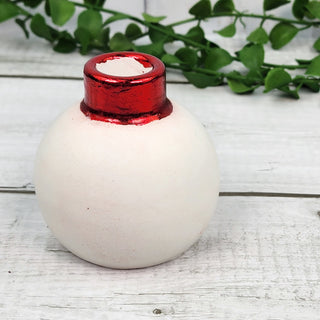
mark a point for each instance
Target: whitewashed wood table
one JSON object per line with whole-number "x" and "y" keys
{"x": 260, "y": 257}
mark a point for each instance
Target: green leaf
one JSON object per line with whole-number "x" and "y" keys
{"x": 104, "y": 38}
{"x": 119, "y": 42}
{"x": 307, "y": 83}
{"x": 272, "y": 4}
{"x": 22, "y": 23}
{"x": 115, "y": 17}
{"x": 259, "y": 36}
{"x": 255, "y": 76}
{"x": 158, "y": 36}
{"x": 152, "y": 19}
{"x": 282, "y": 34}
{"x": 276, "y": 78}
{"x": 47, "y": 8}
{"x": 32, "y": 3}
{"x": 170, "y": 59}
{"x": 252, "y": 56}
{"x": 314, "y": 8}
{"x": 314, "y": 67}
{"x": 84, "y": 37}
{"x": 223, "y": 6}
{"x": 238, "y": 86}
{"x": 187, "y": 56}
{"x": 308, "y": 14}
{"x": 155, "y": 49}
{"x": 39, "y": 27}
{"x": 201, "y": 10}
{"x": 201, "y": 80}
{"x": 211, "y": 44}
{"x": 91, "y": 21}
{"x": 66, "y": 43}
{"x": 316, "y": 45}
{"x": 133, "y": 31}
{"x": 229, "y": 31}
{"x": 303, "y": 61}
{"x": 8, "y": 10}
{"x": 292, "y": 93}
{"x": 311, "y": 85}
{"x": 61, "y": 11}
{"x": 97, "y": 3}
{"x": 298, "y": 8}
{"x": 217, "y": 58}
{"x": 196, "y": 34}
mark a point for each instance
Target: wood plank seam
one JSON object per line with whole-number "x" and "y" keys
{"x": 29, "y": 189}
{"x": 22, "y": 76}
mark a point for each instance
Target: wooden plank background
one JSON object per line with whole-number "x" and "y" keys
{"x": 265, "y": 143}
{"x": 259, "y": 258}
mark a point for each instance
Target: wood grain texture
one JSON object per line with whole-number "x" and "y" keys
{"x": 39, "y": 60}
{"x": 300, "y": 47}
{"x": 265, "y": 143}
{"x": 259, "y": 259}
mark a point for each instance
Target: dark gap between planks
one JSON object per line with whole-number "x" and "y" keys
{"x": 30, "y": 190}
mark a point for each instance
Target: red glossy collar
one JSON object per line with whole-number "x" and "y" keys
{"x": 125, "y": 100}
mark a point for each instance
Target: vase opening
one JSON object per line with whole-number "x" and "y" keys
{"x": 123, "y": 67}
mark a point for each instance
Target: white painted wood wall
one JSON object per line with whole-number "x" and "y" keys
{"x": 260, "y": 257}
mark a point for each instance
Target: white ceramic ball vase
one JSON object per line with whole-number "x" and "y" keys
{"x": 123, "y": 188}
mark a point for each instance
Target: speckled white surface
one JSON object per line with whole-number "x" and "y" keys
{"x": 122, "y": 67}
{"x": 127, "y": 196}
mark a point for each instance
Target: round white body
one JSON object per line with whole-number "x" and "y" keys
{"x": 127, "y": 196}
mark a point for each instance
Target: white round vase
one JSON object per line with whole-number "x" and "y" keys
{"x": 126, "y": 179}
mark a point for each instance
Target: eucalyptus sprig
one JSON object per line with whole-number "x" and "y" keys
{"x": 199, "y": 59}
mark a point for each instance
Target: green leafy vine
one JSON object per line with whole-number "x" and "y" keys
{"x": 199, "y": 59}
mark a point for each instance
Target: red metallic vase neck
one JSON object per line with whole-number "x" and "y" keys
{"x": 137, "y": 99}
